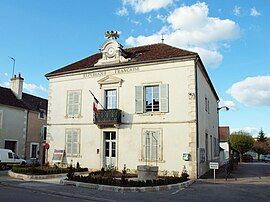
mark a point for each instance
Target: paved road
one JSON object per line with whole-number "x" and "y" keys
{"x": 252, "y": 184}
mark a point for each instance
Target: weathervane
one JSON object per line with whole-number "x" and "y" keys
{"x": 111, "y": 35}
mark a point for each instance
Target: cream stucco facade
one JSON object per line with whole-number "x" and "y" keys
{"x": 182, "y": 128}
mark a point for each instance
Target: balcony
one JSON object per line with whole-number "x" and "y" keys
{"x": 108, "y": 118}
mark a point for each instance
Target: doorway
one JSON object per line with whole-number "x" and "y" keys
{"x": 12, "y": 145}
{"x": 110, "y": 149}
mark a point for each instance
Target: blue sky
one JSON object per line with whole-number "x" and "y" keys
{"x": 231, "y": 36}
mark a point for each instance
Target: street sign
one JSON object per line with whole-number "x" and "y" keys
{"x": 213, "y": 165}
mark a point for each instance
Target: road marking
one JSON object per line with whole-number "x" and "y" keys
{"x": 177, "y": 191}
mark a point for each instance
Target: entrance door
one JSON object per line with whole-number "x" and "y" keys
{"x": 110, "y": 149}
{"x": 11, "y": 145}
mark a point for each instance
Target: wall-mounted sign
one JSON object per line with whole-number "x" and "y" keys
{"x": 58, "y": 155}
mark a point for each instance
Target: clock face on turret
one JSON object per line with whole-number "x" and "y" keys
{"x": 110, "y": 52}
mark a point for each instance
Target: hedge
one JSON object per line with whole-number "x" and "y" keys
{"x": 30, "y": 170}
{"x": 125, "y": 182}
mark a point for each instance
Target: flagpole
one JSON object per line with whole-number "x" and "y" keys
{"x": 97, "y": 100}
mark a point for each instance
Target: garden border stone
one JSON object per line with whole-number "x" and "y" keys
{"x": 39, "y": 177}
{"x": 127, "y": 189}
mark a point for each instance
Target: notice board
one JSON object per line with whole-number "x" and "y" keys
{"x": 58, "y": 155}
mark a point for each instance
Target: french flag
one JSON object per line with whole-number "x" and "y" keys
{"x": 95, "y": 104}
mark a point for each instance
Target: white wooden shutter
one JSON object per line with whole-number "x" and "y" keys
{"x": 164, "y": 98}
{"x": 75, "y": 142}
{"x": 155, "y": 146}
{"x": 144, "y": 146}
{"x": 139, "y": 99}
{"x": 68, "y": 142}
{"x": 76, "y": 103}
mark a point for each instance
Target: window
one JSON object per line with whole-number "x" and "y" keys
{"x": 10, "y": 155}
{"x": 1, "y": 119}
{"x": 42, "y": 114}
{"x": 73, "y": 142}
{"x": 152, "y": 98}
{"x": 206, "y": 147}
{"x": 152, "y": 145}
{"x": 110, "y": 99}
{"x": 216, "y": 147}
{"x": 43, "y": 132}
{"x": 206, "y": 104}
{"x": 73, "y": 103}
{"x": 34, "y": 147}
{"x": 211, "y": 147}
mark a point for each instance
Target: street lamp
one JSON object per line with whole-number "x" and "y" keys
{"x": 13, "y": 59}
{"x": 223, "y": 107}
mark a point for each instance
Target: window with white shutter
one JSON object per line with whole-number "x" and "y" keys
{"x": 73, "y": 103}
{"x": 73, "y": 142}
{"x": 1, "y": 119}
{"x": 152, "y": 98}
{"x": 152, "y": 145}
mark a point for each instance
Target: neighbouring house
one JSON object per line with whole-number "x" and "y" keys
{"x": 224, "y": 133}
{"x": 155, "y": 105}
{"x": 22, "y": 121}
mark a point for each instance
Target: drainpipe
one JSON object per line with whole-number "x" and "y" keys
{"x": 197, "y": 122}
{"x": 26, "y": 133}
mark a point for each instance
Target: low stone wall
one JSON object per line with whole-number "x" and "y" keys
{"x": 39, "y": 177}
{"x": 29, "y": 177}
{"x": 127, "y": 189}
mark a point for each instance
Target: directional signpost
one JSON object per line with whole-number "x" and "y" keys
{"x": 214, "y": 166}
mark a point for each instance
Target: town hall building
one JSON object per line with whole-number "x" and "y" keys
{"x": 156, "y": 105}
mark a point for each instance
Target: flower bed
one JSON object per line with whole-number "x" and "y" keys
{"x": 31, "y": 170}
{"x": 126, "y": 182}
{"x": 115, "y": 178}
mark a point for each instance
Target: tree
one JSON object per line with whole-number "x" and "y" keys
{"x": 261, "y": 136}
{"x": 261, "y": 146}
{"x": 241, "y": 142}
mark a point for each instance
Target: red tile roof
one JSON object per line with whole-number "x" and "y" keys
{"x": 137, "y": 54}
{"x": 224, "y": 133}
{"x": 29, "y": 102}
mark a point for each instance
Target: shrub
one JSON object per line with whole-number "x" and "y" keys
{"x": 31, "y": 170}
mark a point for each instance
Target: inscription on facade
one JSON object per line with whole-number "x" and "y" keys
{"x": 117, "y": 71}
{"x": 94, "y": 74}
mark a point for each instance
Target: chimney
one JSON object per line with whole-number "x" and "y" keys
{"x": 16, "y": 86}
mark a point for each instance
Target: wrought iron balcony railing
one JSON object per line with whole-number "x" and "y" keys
{"x": 107, "y": 117}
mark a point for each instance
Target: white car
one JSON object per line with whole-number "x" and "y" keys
{"x": 8, "y": 157}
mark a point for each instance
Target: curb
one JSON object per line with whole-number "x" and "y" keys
{"x": 37, "y": 177}
{"x": 127, "y": 189}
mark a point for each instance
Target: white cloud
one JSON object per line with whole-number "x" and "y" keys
{"x": 33, "y": 88}
{"x": 135, "y": 22}
{"x": 254, "y": 12}
{"x": 227, "y": 103}
{"x": 236, "y": 10}
{"x": 191, "y": 28}
{"x": 145, "y": 6}
{"x": 6, "y": 74}
{"x": 149, "y": 19}
{"x": 252, "y": 130}
{"x": 122, "y": 11}
{"x": 252, "y": 91}
{"x": 161, "y": 17}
